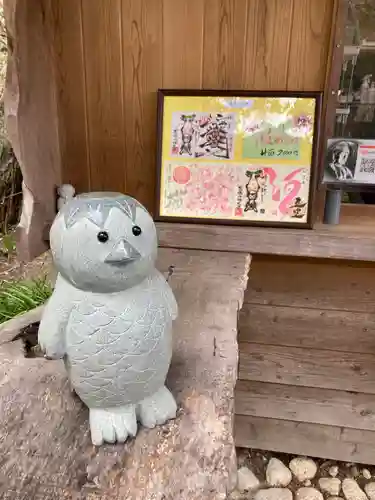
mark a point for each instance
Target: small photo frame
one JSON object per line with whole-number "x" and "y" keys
{"x": 350, "y": 162}
{"x": 241, "y": 158}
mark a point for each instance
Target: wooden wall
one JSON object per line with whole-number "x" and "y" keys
{"x": 307, "y": 359}
{"x": 112, "y": 55}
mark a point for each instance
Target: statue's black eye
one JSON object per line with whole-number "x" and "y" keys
{"x": 137, "y": 230}
{"x": 103, "y": 236}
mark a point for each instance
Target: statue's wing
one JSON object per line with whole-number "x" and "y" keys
{"x": 52, "y": 328}
{"x": 168, "y": 295}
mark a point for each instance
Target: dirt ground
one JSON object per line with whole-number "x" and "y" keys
{"x": 12, "y": 269}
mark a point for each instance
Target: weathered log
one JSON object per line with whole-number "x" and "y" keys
{"x": 32, "y": 117}
{"x": 45, "y": 443}
{"x": 11, "y": 328}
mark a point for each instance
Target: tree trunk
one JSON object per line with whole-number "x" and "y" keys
{"x": 32, "y": 118}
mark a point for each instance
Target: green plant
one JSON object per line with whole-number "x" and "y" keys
{"x": 21, "y": 296}
{"x": 7, "y": 245}
{"x": 10, "y": 172}
{"x": 10, "y": 186}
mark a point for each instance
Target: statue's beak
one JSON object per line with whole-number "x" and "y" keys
{"x": 122, "y": 254}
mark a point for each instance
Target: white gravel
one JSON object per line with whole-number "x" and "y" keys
{"x": 308, "y": 494}
{"x": 303, "y": 468}
{"x": 330, "y": 485}
{"x": 370, "y": 490}
{"x": 266, "y": 476}
{"x": 277, "y": 474}
{"x": 352, "y": 491}
{"x": 246, "y": 480}
{"x": 274, "y": 494}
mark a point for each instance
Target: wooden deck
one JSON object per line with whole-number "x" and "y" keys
{"x": 306, "y": 334}
{"x": 307, "y": 359}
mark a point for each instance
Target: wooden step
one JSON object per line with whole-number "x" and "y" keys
{"x": 337, "y": 443}
{"x": 305, "y": 404}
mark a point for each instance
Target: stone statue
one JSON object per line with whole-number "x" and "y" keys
{"x": 64, "y": 193}
{"x": 110, "y": 315}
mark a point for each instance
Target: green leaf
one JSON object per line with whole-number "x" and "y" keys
{"x": 9, "y": 243}
{"x": 22, "y": 296}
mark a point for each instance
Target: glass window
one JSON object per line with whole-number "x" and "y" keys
{"x": 355, "y": 111}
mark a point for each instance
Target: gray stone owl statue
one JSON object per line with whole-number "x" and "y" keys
{"x": 110, "y": 315}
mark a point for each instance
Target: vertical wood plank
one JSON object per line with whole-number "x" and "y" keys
{"x": 70, "y": 82}
{"x": 269, "y": 25}
{"x": 224, "y": 44}
{"x": 309, "y": 44}
{"x": 142, "y": 24}
{"x": 182, "y": 43}
{"x": 108, "y": 71}
{"x": 104, "y": 82}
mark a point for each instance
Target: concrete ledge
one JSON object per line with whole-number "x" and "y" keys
{"x": 45, "y": 444}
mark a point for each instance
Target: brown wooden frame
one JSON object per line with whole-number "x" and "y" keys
{"x": 329, "y": 112}
{"x": 318, "y": 96}
{"x": 333, "y": 77}
{"x": 329, "y": 109}
{"x": 331, "y": 87}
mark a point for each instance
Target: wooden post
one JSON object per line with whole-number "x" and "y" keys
{"x": 32, "y": 118}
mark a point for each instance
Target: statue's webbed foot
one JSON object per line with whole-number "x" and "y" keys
{"x": 112, "y": 424}
{"x": 157, "y": 409}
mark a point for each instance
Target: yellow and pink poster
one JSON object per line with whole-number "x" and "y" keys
{"x": 241, "y": 158}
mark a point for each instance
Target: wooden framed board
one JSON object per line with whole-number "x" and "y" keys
{"x": 247, "y": 158}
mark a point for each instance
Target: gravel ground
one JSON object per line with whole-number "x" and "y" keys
{"x": 263, "y": 475}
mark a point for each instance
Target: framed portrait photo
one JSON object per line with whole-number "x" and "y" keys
{"x": 350, "y": 162}
{"x": 247, "y": 158}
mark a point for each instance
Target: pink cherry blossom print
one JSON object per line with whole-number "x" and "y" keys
{"x": 209, "y": 193}
{"x": 302, "y": 126}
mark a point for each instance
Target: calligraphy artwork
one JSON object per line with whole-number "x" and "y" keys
{"x": 271, "y": 142}
{"x": 241, "y": 159}
{"x": 202, "y": 135}
{"x": 244, "y": 192}
{"x": 365, "y": 165}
